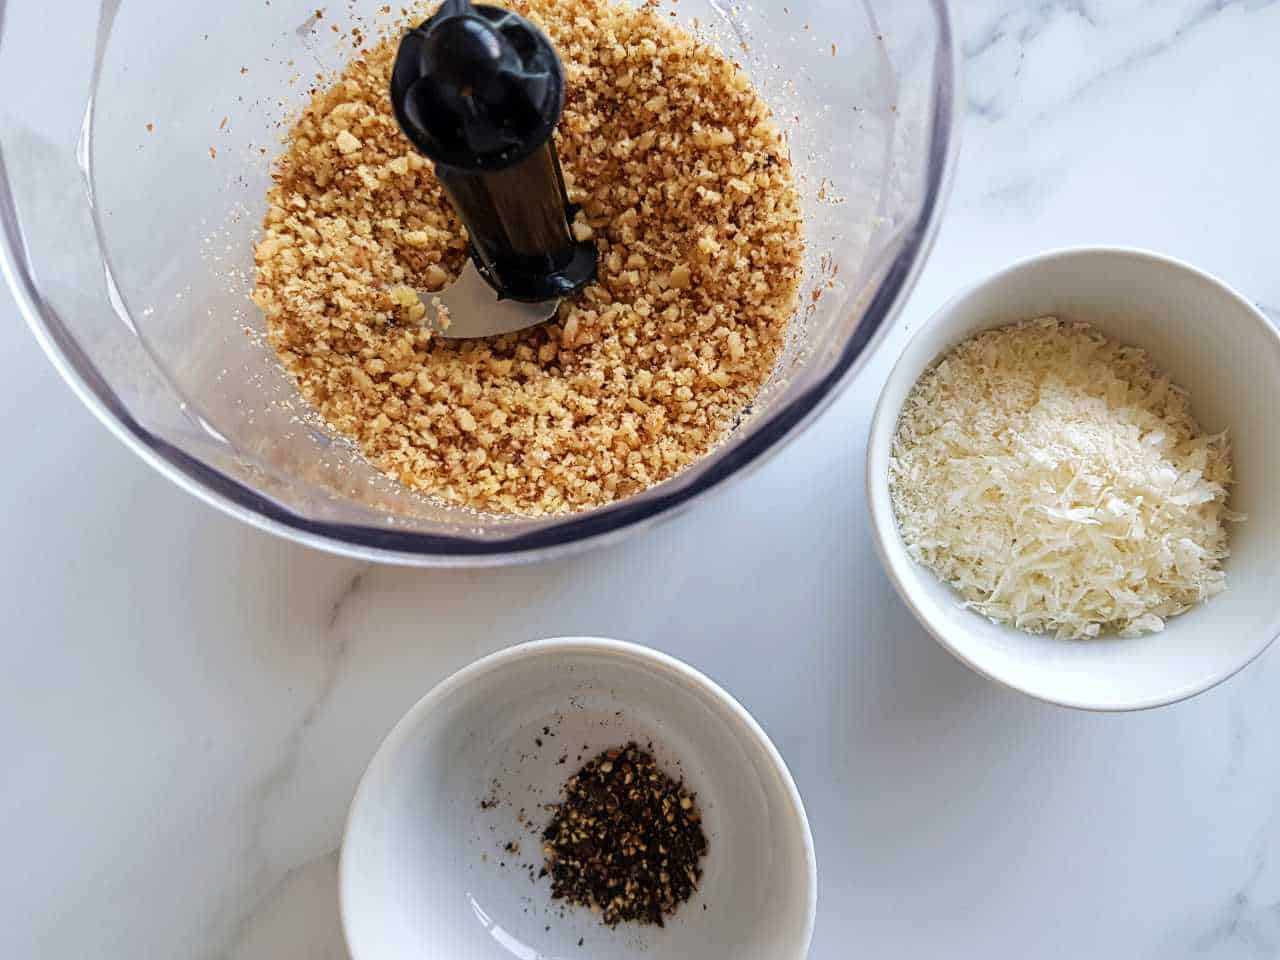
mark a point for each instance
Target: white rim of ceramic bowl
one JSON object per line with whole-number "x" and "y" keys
{"x": 694, "y": 679}
{"x": 885, "y": 528}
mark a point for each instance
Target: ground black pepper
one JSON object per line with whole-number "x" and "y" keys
{"x": 625, "y": 840}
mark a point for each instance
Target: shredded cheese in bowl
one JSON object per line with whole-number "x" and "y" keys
{"x": 1060, "y": 483}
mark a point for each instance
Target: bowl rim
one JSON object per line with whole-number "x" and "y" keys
{"x": 884, "y": 526}
{"x": 697, "y": 682}
{"x": 576, "y": 532}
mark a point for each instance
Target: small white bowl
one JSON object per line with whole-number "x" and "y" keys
{"x": 425, "y": 871}
{"x": 1209, "y": 340}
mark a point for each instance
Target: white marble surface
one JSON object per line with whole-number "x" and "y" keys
{"x": 186, "y": 704}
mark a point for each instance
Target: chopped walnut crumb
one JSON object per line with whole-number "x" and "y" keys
{"x": 347, "y": 144}
{"x": 686, "y": 187}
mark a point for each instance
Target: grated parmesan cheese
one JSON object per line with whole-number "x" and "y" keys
{"x": 1059, "y": 483}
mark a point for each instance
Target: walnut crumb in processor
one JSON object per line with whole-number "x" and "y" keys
{"x": 687, "y": 189}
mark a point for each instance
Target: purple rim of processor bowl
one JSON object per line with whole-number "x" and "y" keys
{"x": 575, "y": 533}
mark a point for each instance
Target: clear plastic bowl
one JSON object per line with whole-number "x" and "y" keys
{"x": 129, "y": 206}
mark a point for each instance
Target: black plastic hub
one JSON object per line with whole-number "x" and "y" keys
{"x": 479, "y": 90}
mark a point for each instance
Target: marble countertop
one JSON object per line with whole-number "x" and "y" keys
{"x": 186, "y": 704}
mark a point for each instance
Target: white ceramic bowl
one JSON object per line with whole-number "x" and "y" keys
{"x": 1227, "y": 355}
{"x": 425, "y": 872}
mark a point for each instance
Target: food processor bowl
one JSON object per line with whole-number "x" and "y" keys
{"x": 132, "y": 185}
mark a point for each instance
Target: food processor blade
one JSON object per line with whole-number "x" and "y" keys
{"x": 475, "y": 309}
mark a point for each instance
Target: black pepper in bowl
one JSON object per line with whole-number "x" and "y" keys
{"x": 625, "y": 840}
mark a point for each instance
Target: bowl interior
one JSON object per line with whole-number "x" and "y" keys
{"x": 134, "y": 185}
{"x": 1226, "y": 354}
{"x": 426, "y": 869}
